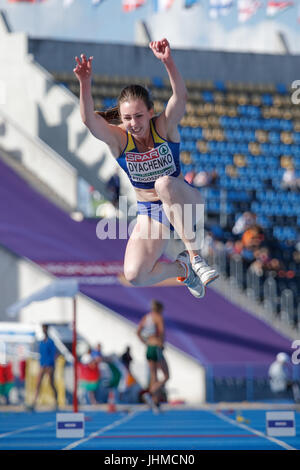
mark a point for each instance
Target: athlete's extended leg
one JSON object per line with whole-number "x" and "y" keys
{"x": 184, "y": 208}
{"x": 141, "y": 264}
{"x": 52, "y": 383}
{"x": 158, "y": 384}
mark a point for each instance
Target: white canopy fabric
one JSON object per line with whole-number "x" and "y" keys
{"x": 61, "y": 288}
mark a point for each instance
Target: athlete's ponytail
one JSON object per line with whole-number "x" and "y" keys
{"x": 111, "y": 115}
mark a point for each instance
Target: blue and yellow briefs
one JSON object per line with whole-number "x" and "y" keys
{"x": 154, "y": 210}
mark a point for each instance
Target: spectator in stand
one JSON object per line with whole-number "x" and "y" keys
{"x": 48, "y": 353}
{"x": 289, "y": 179}
{"x": 280, "y": 378}
{"x": 295, "y": 262}
{"x": 129, "y": 388}
{"x": 189, "y": 177}
{"x": 201, "y": 179}
{"x": 126, "y": 358}
{"x": 205, "y": 178}
{"x": 97, "y": 353}
{"x": 114, "y": 187}
{"x": 7, "y": 380}
{"x": 253, "y": 237}
{"x": 245, "y": 221}
{"x": 213, "y": 178}
{"x": 261, "y": 262}
{"x": 275, "y": 266}
{"x": 89, "y": 375}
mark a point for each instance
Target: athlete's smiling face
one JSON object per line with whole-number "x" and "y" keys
{"x": 136, "y": 117}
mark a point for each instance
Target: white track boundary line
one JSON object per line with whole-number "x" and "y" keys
{"x": 29, "y": 428}
{"x": 102, "y": 430}
{"x": 254, "y": 431}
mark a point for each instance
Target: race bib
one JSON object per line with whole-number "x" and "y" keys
{"x": 147, "y": 167}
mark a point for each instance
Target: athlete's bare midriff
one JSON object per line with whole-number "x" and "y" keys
{"x": 154, "y": 341}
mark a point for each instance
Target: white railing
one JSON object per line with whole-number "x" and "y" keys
{"x": 280, "y": 305}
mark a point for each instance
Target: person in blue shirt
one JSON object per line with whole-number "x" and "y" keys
{"x": 97, "y": 353}
{"x": 48, "y": 354}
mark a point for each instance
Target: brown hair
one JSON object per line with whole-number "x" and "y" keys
{"x": 157, "y": 306}
{"x": 131, "y": 92}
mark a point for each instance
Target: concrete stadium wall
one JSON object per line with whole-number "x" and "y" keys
{"x": 47, "y": 111}
{"x": 9, "y": 286}
{"x": 127, "y": 60}
{"x": 40, "y": 160}
{"x": 95, "y": 323}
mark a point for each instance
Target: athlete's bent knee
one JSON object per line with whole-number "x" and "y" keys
{"x": 135, "y": 276}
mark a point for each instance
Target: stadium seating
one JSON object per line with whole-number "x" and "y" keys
{"x": 248, "y": 133}
{"x": 250, "y": 127}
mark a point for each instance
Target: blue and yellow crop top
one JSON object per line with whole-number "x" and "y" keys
{"x": 143, "y": 169}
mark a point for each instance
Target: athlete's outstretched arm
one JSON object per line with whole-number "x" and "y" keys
{"x": 98, "y": 126}
{"x": 176, "y": 105}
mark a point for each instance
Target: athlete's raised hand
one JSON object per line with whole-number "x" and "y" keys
{"x": 83, "y": 69}
{"x": 161, "y": 49}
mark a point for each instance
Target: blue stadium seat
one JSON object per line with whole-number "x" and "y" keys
{"x": 249, "y": 110}
{"x": 285, "y": 233}
{"x": 267, "y": 100}
{"x": 294, "y": 150}
{"x": 158, "y": 82}
{"x": 249, "y": 135}
{"x": 286, "y": 125}
{"x": 274, "y": 137}
{"x": 229, "y": 134}
{"x": 296, "y": 137}
{"x": 109, "y": 102}
{"x": 264, "y": 221}
{"x": 197, "y": 132}
{"x": 281, "y": 88}
{"x": 225, "y": 121}
{"x": 213, "y": 193}
{"x": 187, "y": 168}
{"x": 208, "y": 96}
{"x": 185, "y": 132}
{"x": 219, "y": 85}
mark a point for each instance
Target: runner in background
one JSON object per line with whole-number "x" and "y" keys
{"x": 151, "y": 331}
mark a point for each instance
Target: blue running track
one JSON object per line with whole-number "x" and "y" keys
{"x": 142, "y": 430}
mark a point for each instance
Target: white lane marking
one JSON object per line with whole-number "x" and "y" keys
{"x": 102, "y": 430}
{"x": 29, "y": 428}
{"x": 254, "y": 431}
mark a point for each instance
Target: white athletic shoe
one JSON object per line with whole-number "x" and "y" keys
{"x": 206, "y": 273}
{"x": 148, "y": 400}
{"x": 191, "y": 280}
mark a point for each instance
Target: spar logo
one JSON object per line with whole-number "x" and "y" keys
{"x": 142, "y": 157}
